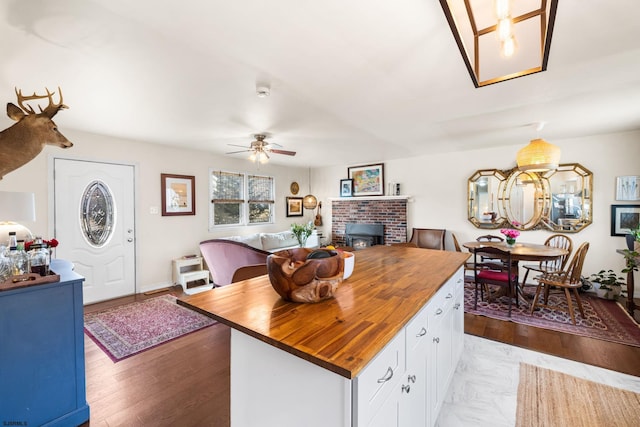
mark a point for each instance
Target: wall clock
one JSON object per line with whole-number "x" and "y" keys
{"x": 294, "y": 188}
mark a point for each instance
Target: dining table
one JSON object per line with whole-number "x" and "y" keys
{"x": 521, "y": 251}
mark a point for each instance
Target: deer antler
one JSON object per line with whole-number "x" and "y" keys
{"x": 49, "y": 111}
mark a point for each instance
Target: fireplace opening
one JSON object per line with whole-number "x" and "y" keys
{"x": 360, "y": 236}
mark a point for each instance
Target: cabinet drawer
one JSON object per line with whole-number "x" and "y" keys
{"x": 378, "y": 379}
{"x": 417, "y": 328}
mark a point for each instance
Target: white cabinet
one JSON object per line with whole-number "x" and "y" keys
{"x": 403, "y": 385}
{"x": 433, "y": 340}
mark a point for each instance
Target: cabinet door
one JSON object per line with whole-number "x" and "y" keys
{"x": 457, "y": 343}
{"x": 413, "y": 388}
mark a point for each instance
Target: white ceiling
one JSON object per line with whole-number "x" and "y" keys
{"x": 351, "y": 81}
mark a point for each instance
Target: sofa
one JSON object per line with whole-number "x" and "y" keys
{"x": 236, "y": 258}
{"x": 274, "y": 242}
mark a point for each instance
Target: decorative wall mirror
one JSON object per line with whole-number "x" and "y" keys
{"x": 523, "y": 198}
{"x": 570, "y": 209}
{"x": 482, "y": 191}
{"x": 558, "y": 200}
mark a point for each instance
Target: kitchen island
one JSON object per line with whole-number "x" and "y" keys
{"x": 380, "y": 353}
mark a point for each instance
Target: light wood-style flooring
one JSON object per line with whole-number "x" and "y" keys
{"x": 186, "y": 381}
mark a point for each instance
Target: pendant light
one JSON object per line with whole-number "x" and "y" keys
{"x": 309, "y": 201}
{"x": 539, "y": 155}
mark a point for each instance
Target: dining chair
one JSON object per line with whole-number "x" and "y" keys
{"x": 503, "y": 274}
{"x": 468, "y": 265}
{"x": 568, "y": 280}
{"x": 428, "y": 238}
{"x": 553, "y": 265}
{"x": 489, "y": 238}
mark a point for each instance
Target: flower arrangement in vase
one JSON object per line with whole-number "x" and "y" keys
{"x": 511, "y": 234}
{"x": 302, "y": 232}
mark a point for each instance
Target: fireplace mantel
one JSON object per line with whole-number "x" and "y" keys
{"x": 356, "y": 199}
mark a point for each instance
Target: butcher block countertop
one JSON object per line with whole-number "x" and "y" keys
{"x": 389, "y": 285}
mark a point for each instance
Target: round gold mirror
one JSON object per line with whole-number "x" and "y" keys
{"x": 524, "y": 198}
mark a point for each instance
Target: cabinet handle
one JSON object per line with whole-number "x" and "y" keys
{"x": 449, "y": 296}
{"x": 406, "y": 388}
{"x": 422, "y": 332}
{"x": 438, "y": 312}
{"x": 411, "y": 378}
{"x": 459, "y": 281}
{"x": 435, "y": 340}
{"x": 457, "y": 306}
{"x": 130, "y": 240}
{"x": 387, "y": 376}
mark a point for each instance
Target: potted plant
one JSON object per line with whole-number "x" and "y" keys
{"x": 609, "y": 284}
{"x": 633, "y": 239}
{"x": 302, "y": 232}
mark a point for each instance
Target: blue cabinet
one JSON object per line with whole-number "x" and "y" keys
{"x": 42, "y": 368}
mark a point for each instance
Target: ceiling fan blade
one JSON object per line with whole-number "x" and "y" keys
{"x": 241, "y": 151}
{"x": 285, "y": 152}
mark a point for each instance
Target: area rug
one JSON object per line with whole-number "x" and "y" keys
{"x": 130, "y": 329}
{"x": 551, "y": 398}
{"x": 603, "y": 319}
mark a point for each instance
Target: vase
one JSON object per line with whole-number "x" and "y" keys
{"x": 630, "y": 241}
{"x": 511, "y": 242}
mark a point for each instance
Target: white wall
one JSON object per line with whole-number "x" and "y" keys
{"x": 436, "y": 182}
{"x": 438, "y": 186}
{"x": 158, "y": 239}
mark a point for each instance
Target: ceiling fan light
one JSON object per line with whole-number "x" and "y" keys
{"x": 538, "y": 156}
{"x": 309, "y": 201}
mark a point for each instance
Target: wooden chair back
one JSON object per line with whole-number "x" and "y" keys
{"x": 489, "y": 238}
{"x": 504, "y": 273}
{"x": 557, "y": 241}
{"x": 571, "y": 276}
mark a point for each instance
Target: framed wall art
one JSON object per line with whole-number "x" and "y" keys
{"x": 346, "y": 187}
{"x": 294, "y": 206}
{"x": 368, "y": 180}
{"x": 178, "y": 194}
{"x": 624, "y": 218}
{"x": 628, "y": 188}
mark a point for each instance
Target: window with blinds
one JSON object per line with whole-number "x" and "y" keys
{"x": 241, "y": 199}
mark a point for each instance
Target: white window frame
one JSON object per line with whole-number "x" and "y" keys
{"x": 244, "y": 202}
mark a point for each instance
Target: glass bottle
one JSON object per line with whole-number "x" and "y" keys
{"x": 5, "y": 265}
{"x": 39, "y": 257}
{"x": 19, "y": 259}
{"x": 13, "y": 242}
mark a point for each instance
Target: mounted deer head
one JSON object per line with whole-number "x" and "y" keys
{"x": 22, "y": 142}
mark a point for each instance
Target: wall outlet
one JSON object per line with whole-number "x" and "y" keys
{"x": 153, "y": 210}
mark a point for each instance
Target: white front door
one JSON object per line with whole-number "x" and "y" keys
{"x": 94, "y": 208}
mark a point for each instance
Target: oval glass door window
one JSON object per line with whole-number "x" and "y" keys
{"x": 97, "y": 213}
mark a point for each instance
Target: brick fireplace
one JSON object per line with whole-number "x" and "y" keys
{"x": 390, "y": 212}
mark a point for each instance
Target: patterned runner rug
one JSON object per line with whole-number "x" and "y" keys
{"x": 551, "y": 398}
{"x": 126, "y": 330}
{"x": 604, "y": 319}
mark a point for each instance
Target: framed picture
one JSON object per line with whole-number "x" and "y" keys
{"x": 628, "y": 188}
{"x": 294, "y": 206}
{"x": 346, "y": 187}
{"x": 624, "y": 218}
{"x": 368, "y": 180}
{"x": 178, "y": 194}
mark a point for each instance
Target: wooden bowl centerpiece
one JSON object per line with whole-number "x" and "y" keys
{"x": 305, "y": 275}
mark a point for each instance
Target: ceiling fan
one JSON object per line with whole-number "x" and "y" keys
{"x": 260, "y": 149}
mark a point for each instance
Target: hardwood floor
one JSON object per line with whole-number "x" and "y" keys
{"x": 186, "y": 381}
